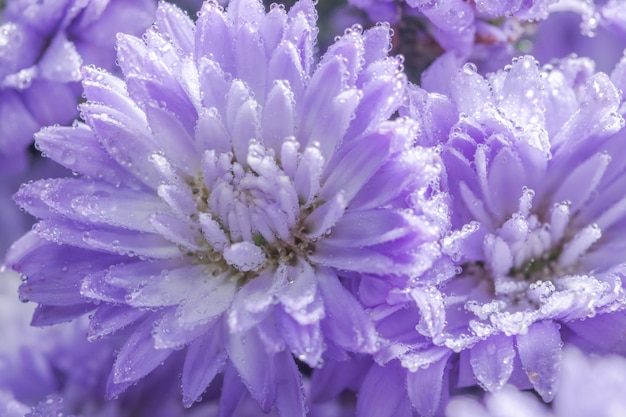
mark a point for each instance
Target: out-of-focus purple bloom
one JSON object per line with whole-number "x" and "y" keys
{"x": 507, "y": 402}
{"x": 42, "y": 46}
{"x": 485, "y": 31}
{"x": 227, "y": 192}
{"x": 613, "y": 16}
{"x": 590, "y": 386}
{"x": 538, "y": 217}
{"x": 55, "y": 372}
{"x": 584, "y": 28}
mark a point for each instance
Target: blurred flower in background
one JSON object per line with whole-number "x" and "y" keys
{"x": 590, "y": 386}
{"x": 55, "y": 371}
{"x": 568, "y": 31}
{"x": 42, "y": 48}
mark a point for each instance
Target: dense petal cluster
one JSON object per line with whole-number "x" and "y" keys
{"x": 42, "y": 46}
{"x": 529, "y": 166}
{"x": 228, "y": 190}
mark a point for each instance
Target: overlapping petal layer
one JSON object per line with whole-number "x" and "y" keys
{"x": 228, "y": 190}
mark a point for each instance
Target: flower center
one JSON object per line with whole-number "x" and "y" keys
{"x": 525, "y": 254}
{"x": 250, "y": 215}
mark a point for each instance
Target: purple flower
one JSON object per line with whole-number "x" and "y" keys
{"x": 485, "y": 32}
{"x": 56, "y": 372}
{"x": 42, "y": 46}
{"x": 584, "y": 28}
{"x": 538, "y": 215}
{"x": 508, "y": 402}
{"x": 227, "y": 194}
{"x": 590, "y": 386}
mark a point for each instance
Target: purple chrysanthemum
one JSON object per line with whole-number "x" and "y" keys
{"x": 591, "y": 386}
{"x": 530, "y": 165}
{"x": 225, "y": 191}
{"x": 538, "y": 216}
{"x": 42, "y": 46}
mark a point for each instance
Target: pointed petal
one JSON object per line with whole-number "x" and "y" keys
{"x": 245, "y": 12}
{"x": 272, "y": 29}
{"x": 204, "y": 359}
{"x": 77, "y": 149}
{"x": 324, "y": 217}
{"x": 125, "y": 138}
{"x": 233, "y": 392}
{"x": 326, "y": 84}
{"x": 250, "y": 59}
{"x": 425, "y": 386}
{"x": 257, "y": 370}
{"x": 306, "y": 341}
{"x": 285, "y": 65}
{"x": 381, "y": 394}
{"x": 540, "y": 353}
{"x": 357, "y": 166}
{"x": 382, "y": 94}
{"x": 180, "y": 28}
{"x": 173, "y": 139}
{"x": 49, "y": 315}
{"x": 290, "y": 396}
{"x": 213, "y": 36}
{"x": 492, "y": 361}
{"x": 347, "y": 323}
{"x": 138, "y": 357}
{"x": 275, "y": 128}
{"x": 369, "y": 227}
{"x": 506, "y": 179}
{"x": 582, "y": 181}
{"x": 108, "y": 319}
{"x": 352, "y": 259}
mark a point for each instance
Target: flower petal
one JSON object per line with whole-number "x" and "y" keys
{"x": 347, "y": 323}
{"x": 204, "y": 359}
{"x": 492, "y": 361}
{"x": 257, "y": 370}
{"x": 379, "y": 395}
{"x": 540, "y": 352}
{"x": 138, "y": 357}
{"x": 425, "y": 387}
